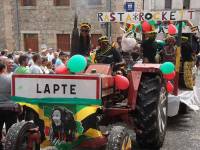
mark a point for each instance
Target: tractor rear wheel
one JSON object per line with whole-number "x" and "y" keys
{"x": 119, "y": 139}
{"x": 151, "y": 112}
{"x": 17, "y": 137}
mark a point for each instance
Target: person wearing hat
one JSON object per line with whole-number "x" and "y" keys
{"x": 169, "y": 50}
{"x": 149, "y": 47}
{"x": 84, "y": 40}
{"x": 106, "y": 53}
{"x": 187, "y": 62}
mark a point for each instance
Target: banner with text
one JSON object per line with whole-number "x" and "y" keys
{"x": 130, "y": 17}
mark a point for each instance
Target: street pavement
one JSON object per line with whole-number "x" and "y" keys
{"x": 183, "y": 132}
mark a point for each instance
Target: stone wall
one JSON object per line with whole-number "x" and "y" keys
{"x": 47, "y": 20}
{"x": 2, "y": 27}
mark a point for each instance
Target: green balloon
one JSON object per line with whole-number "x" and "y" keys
{"x": 77, "y": 63}
{"x": 183, "y": 25}
{"x": 138, "y": 27}
{"x": 152, "y": 22}
{"x": 161, "y": 42}
{"x": 167, "y": 67}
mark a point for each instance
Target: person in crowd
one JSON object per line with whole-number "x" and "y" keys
{"x": 7, "y": 107}
{"x": 23, "y": 68}
{"x": 50, "y": 54}
{"x": 56, "y": 54}
{"x": 149, "y": 47}
{"x": 35, "y": 68}
{"x": 29, "y": 53}
{"x": 10, "y": 56}
{"x": 106, "y": 53}
{"x": 44, "y": 65}
{"x": 62, "y": 60}
{"x": 9, "y": 66}
{"x": 16, "y": 63}
{"x": 50, "y": 67}
{"x": 3, "y": 54}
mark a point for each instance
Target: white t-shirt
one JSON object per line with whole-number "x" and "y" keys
{"x": 35, "y": 69}
{"x": 50, "y": 57}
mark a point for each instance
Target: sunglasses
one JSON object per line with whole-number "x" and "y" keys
{"x": 85, "y": 31}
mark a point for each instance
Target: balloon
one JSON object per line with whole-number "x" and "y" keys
{"x": 152, "y": 22}
{"x": 172, "y": 29}
{"x": 170, "y": 76}
{"x": 121, "y": 82}
{"x": 146, "y": 26}
{"x": 77, "y": 63}
{"x": 167, "y": 67}
{"x": 138, "y": 27}
{"x": 128, "y": 43}
{"x": 161, "y": 42}
{"x": 61, "y": 70}
{"x": 169, "y": 87}
{"x": 178, "y": 25}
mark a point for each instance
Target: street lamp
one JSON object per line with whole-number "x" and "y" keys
{"x": 108, "y": 25}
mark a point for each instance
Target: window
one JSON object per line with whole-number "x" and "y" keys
{"x": 186, "y": 4}
{"x": 63, "y": 42}
{"x": 61, "y": 2}
{"x": 28, "y": 2}
{"x": 94, "y": 2}
{"x": 94, "y": 40}
{"x": 31, "y": 42}
{"x": 168, "y": 4}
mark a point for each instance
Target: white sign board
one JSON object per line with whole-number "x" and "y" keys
{"x": 41, "y": 86}
{"x": 130, "y": 17}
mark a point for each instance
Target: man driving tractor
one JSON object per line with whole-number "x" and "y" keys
{"x": 106, "y": 53}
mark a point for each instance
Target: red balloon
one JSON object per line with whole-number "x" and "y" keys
{"x": 121, "y": 82}
{"x": 146, "y": 26}
{"x": 172, "y": 29}
{"x": 170, "y": 76}
{"x": 61, "y": 70}
{"x": 170, "y": 87}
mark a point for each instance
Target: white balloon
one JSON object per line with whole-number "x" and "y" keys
{"x": 128, "y": 43}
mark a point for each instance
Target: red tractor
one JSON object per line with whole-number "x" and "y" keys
{"x": 87, "y": 110}
{"x": 143, "y": 107}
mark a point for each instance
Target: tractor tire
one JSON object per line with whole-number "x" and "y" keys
{"x": 119, "y": 139}
{"x": 151, "y": 112}
{"x": 17, "y": 137}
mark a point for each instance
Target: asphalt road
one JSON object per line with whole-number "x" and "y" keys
{"x": 183, "y": 132}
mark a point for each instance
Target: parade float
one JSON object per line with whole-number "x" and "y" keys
{"x": 69, "y": 111}
{"x": 176, "y": 23}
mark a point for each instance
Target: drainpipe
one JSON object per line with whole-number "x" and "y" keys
{"x": 18, "y": 26}
{"x": 108, "y": 25}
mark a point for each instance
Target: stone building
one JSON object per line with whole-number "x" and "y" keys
{"x": 40, "y": 23}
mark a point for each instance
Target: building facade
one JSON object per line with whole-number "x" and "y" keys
{"x": 156, "y": 5}
{"x": 37, "y": 24}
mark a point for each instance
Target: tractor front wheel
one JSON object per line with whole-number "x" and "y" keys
{"x": 18, "y": 137}
{"x": 119, "y": 139}
{"x": 151, "y": 112}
